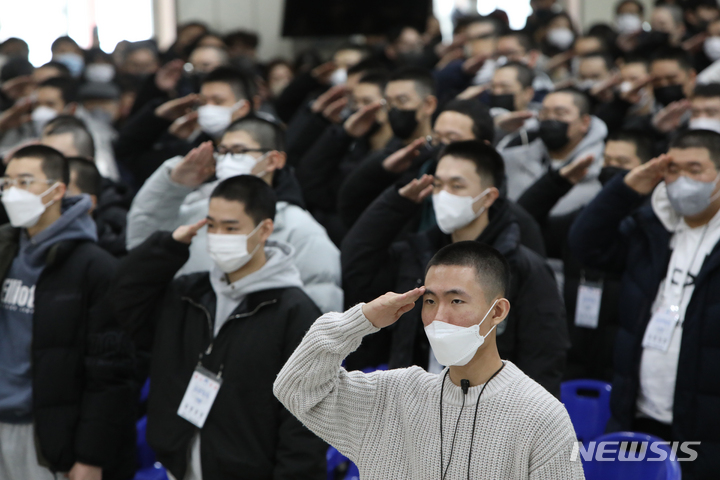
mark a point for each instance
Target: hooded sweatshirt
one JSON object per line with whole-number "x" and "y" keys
{"x": 690, "y": 247}
{"x": 17, "y": 305}
{"x": 527, "y": 159}
{"x": 279, "y": 271}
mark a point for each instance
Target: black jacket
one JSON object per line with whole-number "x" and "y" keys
{"x": 110, "y": 216}
{"x": 302, "y": 132}
{"x": 295, "y": 94}
{"x": 534, "y": 336}
{"x": 590, "y": 355}
{"x": 84, "y": 395}
{"x": 639, "y": 248}
{"x": 248, "y": 433}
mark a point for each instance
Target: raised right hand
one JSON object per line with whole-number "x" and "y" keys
{"x": 322, "y": 73}
{"x": 401, "y": 160}
{"x": 360, "y": 122}
{"x": 197, "y": 166}
{"x": 16, "y": 115}
{"x": 419, "y": 189}
{"x": 512, "y": 121}
{"x": 644, "y": 178}
{"x": 168, "y": 76}
{"x": 185, "y": 233}
{"x": 175, "y": 109}
{"x": 326, "y": 99}
{"x": 387, "y": 309}
{"x": 668, "y": 119}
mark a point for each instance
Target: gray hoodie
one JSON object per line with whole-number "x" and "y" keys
{"x": 17, "y": 304}
{"x": 527, "y": 162}
{"x": 279, "y": 271}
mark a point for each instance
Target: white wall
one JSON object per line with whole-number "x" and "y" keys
{"x": 261, "y": 16}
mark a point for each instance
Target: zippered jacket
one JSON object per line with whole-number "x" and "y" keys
{"x": 248, "y": 434}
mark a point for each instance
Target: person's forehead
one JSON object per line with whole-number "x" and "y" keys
{"x": 665, "y": 66}
{"x": 48, "y": 91}
{"x": 141, "y": 54}
{"x": 223, "y": 209}
{"x": 703, "y": 102}
{"x": 409, "y": 35}
{"x": 444, "y": 278}
{"x": 478, "y": 29}
{"x": 629, "y": 7}
{"x": 453, "y": 121}
{"x": 25, "y": 166}
{"x": 367, "y": 90}
{"x": 239, "y": 137}
{"x": 634, "y": 69}
{"x": 216, "y": 88}
{"x": 560, "y": 99}
{"x": 506, "y": 74}
{"x": 400, "y": 87}
{"x": 451, "y": 167}
{"x": 593, "y": 63}
{"x": 620, "y": 147}
{"x": 204, "y": 54}
{"x": 693, "y": 154}
{"x": 559, "y": 22}
{"x": 510, "y": 43}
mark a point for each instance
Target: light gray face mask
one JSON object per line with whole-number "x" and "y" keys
{"x": 689, "y": 197}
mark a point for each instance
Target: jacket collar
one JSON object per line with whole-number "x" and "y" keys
{"x": 200, "y": 291}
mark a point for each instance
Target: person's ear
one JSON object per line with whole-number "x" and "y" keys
{"x": 585, "y": 121}
{"x": 490, "y": 197}
{"x": 533, "y": 56}
{"x": 499, "y": 312}
{"x": 242, "y": 111}
{"x": 529, "y": 94}
{"x": 57, "y": 194}
{"x": 94, "y": 200}
{"x": 390, "y": 52}
{"x": 70, "y": 108}
{"x": 268, "y": 226}
{"x": 429, "y": 105}
{"x": 274, "y": 161}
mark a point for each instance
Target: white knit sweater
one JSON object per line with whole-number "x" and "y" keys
{"x": 388, "y": 423}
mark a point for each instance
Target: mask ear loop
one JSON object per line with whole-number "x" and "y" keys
{"x": 253, "y": 233}
{"x": 262, "y": 173}
{"x": 483, "y": 320}
{"x": 480, "y": 212}
{"x": 45, "y": 193}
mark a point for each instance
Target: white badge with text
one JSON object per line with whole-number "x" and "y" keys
{"x": 199, "y": 396}
{"x": 659, "y": 331}
{"x": 587, "y": 309}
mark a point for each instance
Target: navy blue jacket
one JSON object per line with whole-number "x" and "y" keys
{"x": 639, "y": 247}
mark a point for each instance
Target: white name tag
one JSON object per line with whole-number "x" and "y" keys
{"x": 199, "y": 396}
{"x": 587, "y": 309}
{"x": 660, "y": 330}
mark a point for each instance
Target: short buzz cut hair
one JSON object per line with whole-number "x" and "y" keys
{"x": 264, "y": 129}
{"x": 706, "y": 90}
{"x": 707, "y": 139}
{"x": 483, "y": 127}
{"x": 524, "y": 74}
{"x": 239, "y": 81}
{"x": 53, "y": 163}
{"x": 421, "y": 78}
{"x": 678, "y": 55}
{"x": 580, "y": 99}
{"x": 491, "y": 267}
{"x": 87, "y": 176}
{"x": 258, "y": 198}
{"x": 641, "y": 140}
{"x": 82, "y": 139}
{"x": 488, "y": 162}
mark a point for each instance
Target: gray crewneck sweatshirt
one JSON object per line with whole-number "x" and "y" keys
{"x": 17, "y": 305}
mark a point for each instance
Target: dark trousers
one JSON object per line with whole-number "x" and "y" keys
{"x": 653, "y": 427}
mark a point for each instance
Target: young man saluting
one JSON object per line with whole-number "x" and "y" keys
{"x": 481, "y": 417}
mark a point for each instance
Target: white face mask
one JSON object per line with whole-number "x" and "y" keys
{"x": 705, "y": 123}
{"x": 229, "y": 251}
{"x": 453, "y": 345}
{"x": 561, "y": 38}
{"x": 628, "y": 23}
{"x": 215, "y": 119}
{"x": 339, "y": 77}
{"x": 100, "y": 72}
{"x": 24, "y": 208}
{"x": 41, "y": 116}
{"x": 712, "y": 48}
{"x": 453, "y": 211}
{"x": 234, "y": 164}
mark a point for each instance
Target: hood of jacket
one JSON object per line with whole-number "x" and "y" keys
{"x": 75, "y": 223}
{"x": 279, "y": 271}
{"x": 662, "y": 208}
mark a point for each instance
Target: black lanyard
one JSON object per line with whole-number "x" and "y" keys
{"x": 472, "y": 437}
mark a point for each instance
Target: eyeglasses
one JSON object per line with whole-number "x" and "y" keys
{"x": 239, "y": 150}
{"x": 22, "y": 182}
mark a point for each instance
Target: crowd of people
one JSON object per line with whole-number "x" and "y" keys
{"x": 187, "y": 215}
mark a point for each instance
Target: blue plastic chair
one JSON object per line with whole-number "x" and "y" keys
{"x": 588, "y": 404}
{"x": 145, "y": 391}
{"x": 353, "y": 473}
{"x": 639, "y": 469}
{"x": 156, "y": 472}
{"x": 145, "y": 455}
{"x": 334, "y": 459}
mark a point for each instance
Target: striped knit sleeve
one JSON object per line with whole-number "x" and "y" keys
{"x": 552, "y": 459}
{"x": 335, "y": 404}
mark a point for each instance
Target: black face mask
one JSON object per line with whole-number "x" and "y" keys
{"x": 506, "y": 101}
{"x": 608, "y": 173}
{"x": 554, "y": 134}
{"x": 669, "y": 94}
{"x": 411, "y": 59}
{"x": 402, "y": 122}
{"x": 657, "y": 39}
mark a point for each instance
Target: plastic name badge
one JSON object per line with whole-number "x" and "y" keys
{"x": 199, "y": 396}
